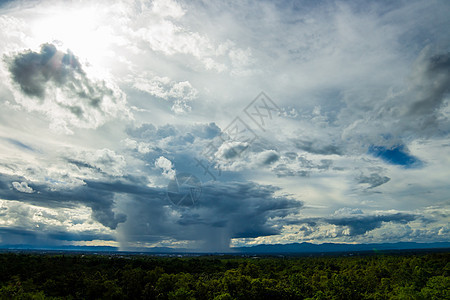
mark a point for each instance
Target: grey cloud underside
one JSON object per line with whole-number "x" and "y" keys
{"x": 224, "y": 211}
{"x": 385, "y": 118}
{"x": 416, "y": 111}
{"x": 269, "y": 158}
{"x": 100, "y": 200}
{"x": 362, "y": 224}
{"x": 359, "y": 224}
{"x": 23, "y": 235}
{"x": 433, "y": 85}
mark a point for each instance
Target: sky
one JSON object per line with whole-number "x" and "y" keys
{"x": 206, "y": 125}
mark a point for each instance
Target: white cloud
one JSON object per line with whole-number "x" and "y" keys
{"x": 167, "y": 9}
{"x": 167, "y": 167}
{"x": 22, "y": 187}
{"x": 141, "y": 147}
{"x": 179, "y": 93}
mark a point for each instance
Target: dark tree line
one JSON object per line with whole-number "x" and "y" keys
{"x": 32, "y": 276}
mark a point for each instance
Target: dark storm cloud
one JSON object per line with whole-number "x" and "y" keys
{"x": 417, "y": 111}
{"x": 55, "y": 234}
{"x": 433, "y": 83}
{"x": 247, "y": 207}
{"x": 78, "y": 236}
{"x": 373, "y": 180}
{"x": 18, "y": 236}
{"x": 421, "y": 114}
{"x": 46, "y": 237}
{"x": 128, "y": 185}
{"x": 98, "y": 197}
{"x": 225, "y": 210}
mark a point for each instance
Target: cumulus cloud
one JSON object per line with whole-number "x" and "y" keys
{"x": 22, "y": 187}
{"x": 53, "y": 82}
{"x": 167, "y": 167}
{"x": 179, "y": 93}
{"x": 141, "y": 147}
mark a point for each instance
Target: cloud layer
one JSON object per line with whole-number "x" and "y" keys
{"x": 105, "y": 106}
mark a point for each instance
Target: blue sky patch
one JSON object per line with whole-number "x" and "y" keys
{"x": 396, "y": 155}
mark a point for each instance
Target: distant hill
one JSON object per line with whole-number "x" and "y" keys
{"x": 332, "y": 247}
{"x": 62, "y": 248}
{"x": 258, "y": 249}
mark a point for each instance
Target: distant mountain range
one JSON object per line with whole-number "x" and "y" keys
{"x": 300, "y": 248}
{"x": 332, "y": 247}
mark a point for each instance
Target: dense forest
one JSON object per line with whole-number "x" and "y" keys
{"x": 70, "y": 276}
